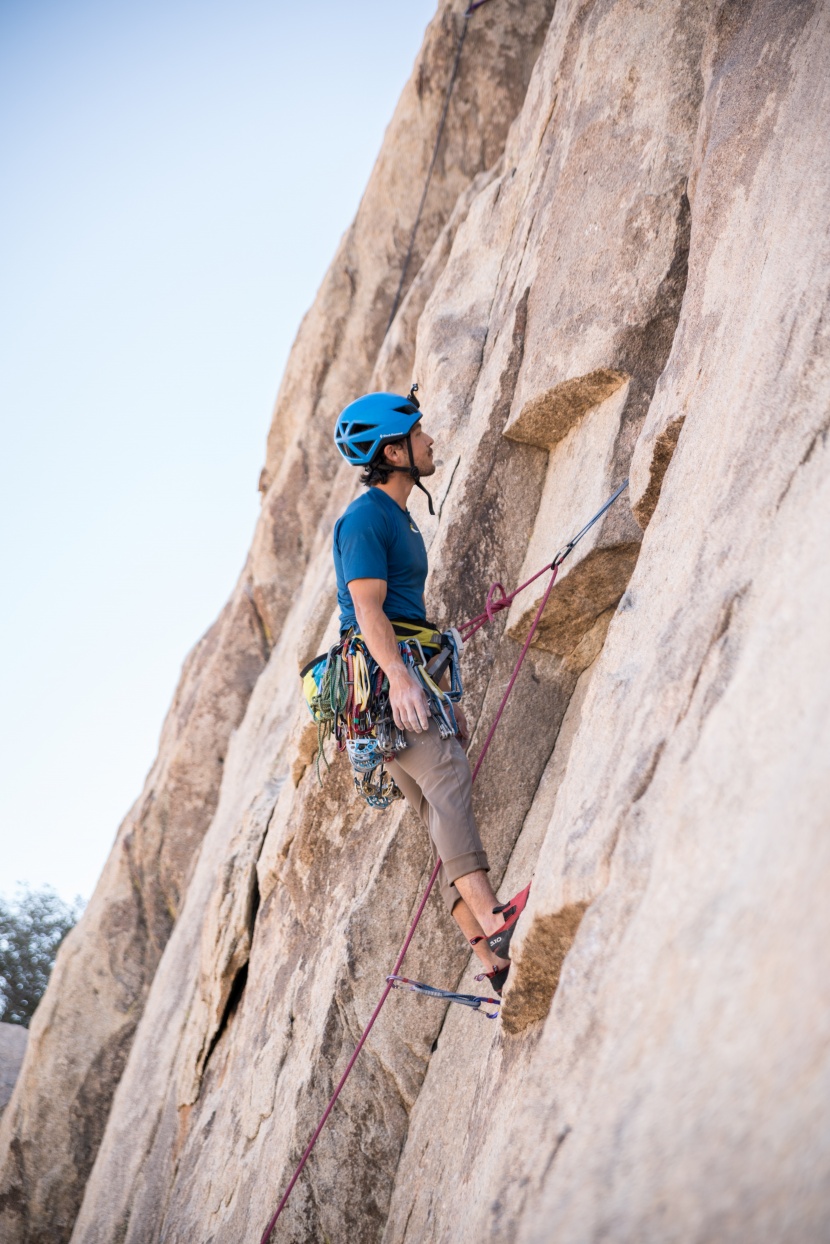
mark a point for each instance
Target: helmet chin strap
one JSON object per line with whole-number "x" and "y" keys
{"x": 414, "y": 473}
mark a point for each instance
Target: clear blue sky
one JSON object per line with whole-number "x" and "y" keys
{"x": 176, "y": 176}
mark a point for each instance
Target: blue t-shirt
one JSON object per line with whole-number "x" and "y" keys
{"x": 375, "y": 539}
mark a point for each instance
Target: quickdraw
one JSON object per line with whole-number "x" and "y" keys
{"x": 473, "y": 1000}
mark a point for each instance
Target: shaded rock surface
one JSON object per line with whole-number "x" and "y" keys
{"x": 629, "y": 279}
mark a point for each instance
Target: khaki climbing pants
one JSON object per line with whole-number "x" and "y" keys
{"x": 434, "y": 775}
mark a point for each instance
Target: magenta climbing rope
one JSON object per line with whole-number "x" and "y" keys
{"x": 492, "y": 607}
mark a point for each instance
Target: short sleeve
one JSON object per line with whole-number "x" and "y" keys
{"x": 364, "y": 547}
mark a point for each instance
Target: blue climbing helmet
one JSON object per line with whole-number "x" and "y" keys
{"x": 371, "y": 422}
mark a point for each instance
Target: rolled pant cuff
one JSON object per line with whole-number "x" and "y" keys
{"x": 469, "y": 862}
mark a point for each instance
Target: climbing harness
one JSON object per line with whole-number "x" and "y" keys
{"x": 473, "y": 1000}
{"x": 493, "y": 606}
{"x": 347, "y": 694}
{"x": 396, "y": 302}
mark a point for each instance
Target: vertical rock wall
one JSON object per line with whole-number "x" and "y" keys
{"x": 81, "y": 1033}
{"x": 633, "y": 280}
{"x": 662, "y": 1068}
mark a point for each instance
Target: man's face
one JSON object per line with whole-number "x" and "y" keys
{"x": 421, "y": 451}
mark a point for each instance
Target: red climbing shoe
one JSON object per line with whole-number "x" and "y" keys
{"x": 496, "y": 978}
{"x": 499, "y": 942}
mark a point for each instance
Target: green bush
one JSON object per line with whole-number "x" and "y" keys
{"x": 32, "y": 928}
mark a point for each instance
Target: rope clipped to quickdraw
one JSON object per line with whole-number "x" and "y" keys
{"x": 473, "y": 1000}
{"x": 492, "y": 608}
{"x": 396, "y": 302}
{"x": 494, "y": 604}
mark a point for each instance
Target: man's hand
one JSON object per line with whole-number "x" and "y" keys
{"x": 407, "y": 699}
{"x": 409, "y": 704}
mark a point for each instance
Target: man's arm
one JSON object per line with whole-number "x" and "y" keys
{"x": 407, "y": 700}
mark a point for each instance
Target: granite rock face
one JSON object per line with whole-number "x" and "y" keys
{"x": 81, "y": 1032}
{"x": 624, "y": 274}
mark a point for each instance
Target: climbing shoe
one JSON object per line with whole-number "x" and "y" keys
{"x": 496, "y": 978}
{"x": 499, "y": 942}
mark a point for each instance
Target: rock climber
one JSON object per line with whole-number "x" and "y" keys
{"x": 381, "y": 565}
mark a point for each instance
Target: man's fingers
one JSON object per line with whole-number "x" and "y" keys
{"x": 422, "y": 713}
{"x": 411, "y": 713}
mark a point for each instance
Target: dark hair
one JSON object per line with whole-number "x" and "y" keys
{"x": 378, "y": 471}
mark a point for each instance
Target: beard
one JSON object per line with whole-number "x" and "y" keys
{"x": 428, "y": 468}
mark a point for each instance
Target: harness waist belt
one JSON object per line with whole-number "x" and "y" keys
{"x": 414, "y": 632}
